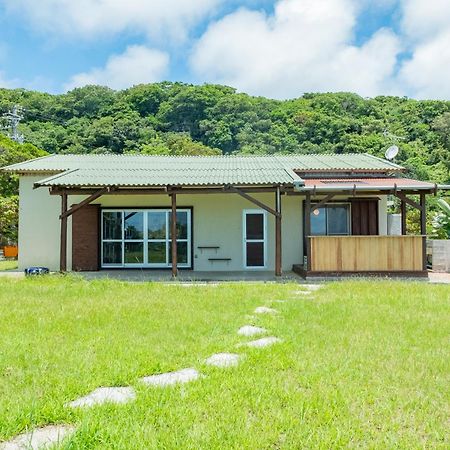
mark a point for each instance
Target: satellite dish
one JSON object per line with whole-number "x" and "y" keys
{"x": 391, "y": 152}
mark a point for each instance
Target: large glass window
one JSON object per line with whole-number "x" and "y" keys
{"x": 112, "y": 225}
{"x": 142, "y": 238}
{"x": 331, "y": 220}
{"x": 134, "y": 225}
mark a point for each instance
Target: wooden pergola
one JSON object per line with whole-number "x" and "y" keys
{"x": 353, "y": 192}
{"x": 172, "y": 192}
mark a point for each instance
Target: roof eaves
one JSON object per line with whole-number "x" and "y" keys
{"x": 43, "y": 182}
{"x": 17, "y": 166}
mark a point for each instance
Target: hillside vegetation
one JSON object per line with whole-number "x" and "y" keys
{"x": 176, "y": 118}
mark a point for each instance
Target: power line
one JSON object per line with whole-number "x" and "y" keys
{"x": 41, "y": 116}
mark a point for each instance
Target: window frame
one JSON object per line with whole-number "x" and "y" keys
{"x": 348, "y": 207}
{"x": 145, "y": 240}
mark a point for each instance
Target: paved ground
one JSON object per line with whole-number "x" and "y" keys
{"x": 11, "y": 274}
{"x": 437, "y": 277}
{"x": 188, "y": 276}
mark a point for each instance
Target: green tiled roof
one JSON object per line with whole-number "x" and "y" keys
{"x": 171, "y": 177}
{"x": 139, "y": 170}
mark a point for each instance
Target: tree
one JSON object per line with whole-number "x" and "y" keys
{"x": 9, "y": 220}
{"x": 176, "y": 144}
{"x": 12, "y": 153}
{"x": 441, "y": 221}
{"x": 442, "y": 126}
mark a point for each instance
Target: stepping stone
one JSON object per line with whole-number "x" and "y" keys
{"x": 170, "y": 378}
{"x": 265, "y": 310}
{"x": 263, "y": 342}
{"x": 223, "y": 360}
{"x": 104, "y": 395}
{"x": 312, "y": 287}
{"x": 250, "y": 330}
{"x": 40, "y": 438}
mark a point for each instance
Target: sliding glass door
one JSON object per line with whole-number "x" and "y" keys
{"x": 141, "y": 238}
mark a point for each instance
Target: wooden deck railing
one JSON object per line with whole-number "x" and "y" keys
{"x": 367, "y": 253}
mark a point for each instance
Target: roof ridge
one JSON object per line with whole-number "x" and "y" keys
{"x": 230, "y": 156}
{"x": 385, "y": 161}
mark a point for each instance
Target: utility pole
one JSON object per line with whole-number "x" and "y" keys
{"x": 13, "y": 118}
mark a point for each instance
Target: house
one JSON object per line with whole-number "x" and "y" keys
{"x": 316, "y": 214}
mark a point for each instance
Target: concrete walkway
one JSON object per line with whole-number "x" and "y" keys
{"x": 439, "y": 277}
{"x": 191, "y": 276}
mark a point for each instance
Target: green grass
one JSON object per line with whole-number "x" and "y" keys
{"x": 364, "y": 364}
{"x": 8, "y": 265}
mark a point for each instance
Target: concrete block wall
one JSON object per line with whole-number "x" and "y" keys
{"x": 440, "y": 251}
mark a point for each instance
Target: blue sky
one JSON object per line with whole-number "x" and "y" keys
{"x": 274, "y": 48}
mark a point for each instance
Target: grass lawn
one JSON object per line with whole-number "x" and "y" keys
{"x": 8, "y": 265}
{"x": 363, "y": 364}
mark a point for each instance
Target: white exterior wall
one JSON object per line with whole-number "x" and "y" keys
{"x": 382, "y": 216}
{"x": 39, "y": 229}
{"x": 217, "y": 221}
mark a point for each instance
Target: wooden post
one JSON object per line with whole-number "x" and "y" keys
{"x": 278, "y": 260}
{"x": 403, "y": 216}
{"x": 423, "y": 215}
{"x": 63, "y": 244}
{"x": 308, "y": 230}
{"x": 174, "y": 236}
{"x": 423, "y": 228}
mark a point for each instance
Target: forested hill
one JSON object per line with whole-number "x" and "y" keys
{"x": 178, "y": 118}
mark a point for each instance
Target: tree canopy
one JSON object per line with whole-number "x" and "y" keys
{"x": 178, "y": 118}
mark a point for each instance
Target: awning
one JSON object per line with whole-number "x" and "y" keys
{"x": 368, "y": 184}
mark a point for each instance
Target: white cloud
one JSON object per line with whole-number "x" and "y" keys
{"x": 138, "y": 64}
{"x": 304, "y": 46}
{"x": 90, "y": 18}
{"x": 426, "y": 27}
{"x": 426, "y": 74}
{"x": 424, "y": 19}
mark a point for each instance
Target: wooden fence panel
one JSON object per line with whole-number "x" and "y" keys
{"x": 366, "y": 253}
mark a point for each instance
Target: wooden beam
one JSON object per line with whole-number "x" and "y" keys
{"x": 349, "y": 192}
{"x": 322, "y": 202}
{"x": 174, "y": 236}
{"x": 278, "y": 250}
{"x": 63, "y": 243}
{"x": 403, "y": 216}
{"x": 307, "y": 230}
{"x": 407, "y": 200}
{"x": 423, "y": 215}
{"x": 85, "y": 202}
{"x": 159, "y": 191}
{"x": 423, "y": 229}
{"x": 218, "y": 190}
{"x": 253, "y": 200}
